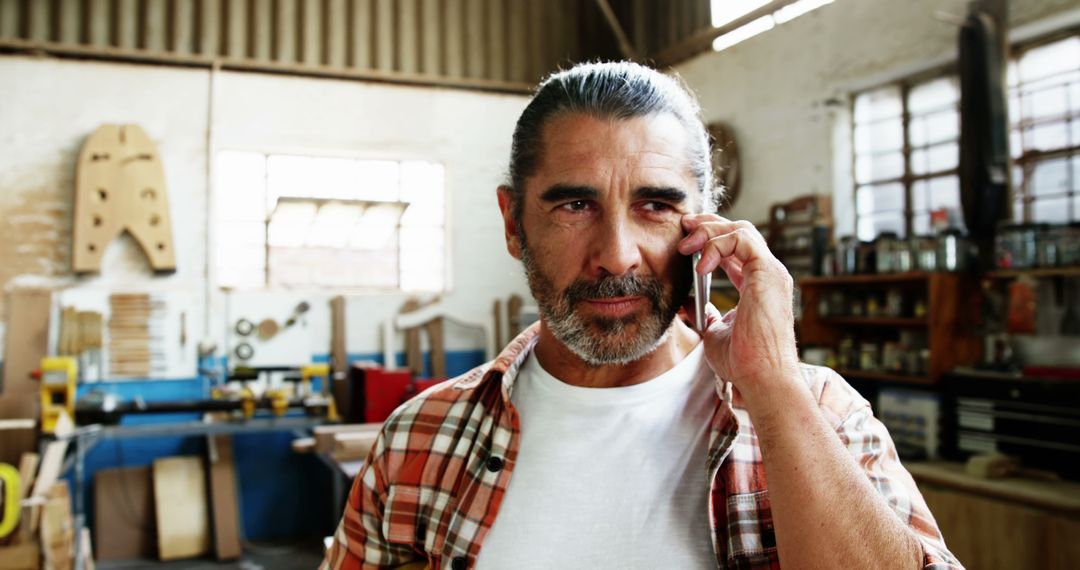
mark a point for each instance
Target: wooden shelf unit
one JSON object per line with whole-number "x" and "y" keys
{"x": 951, "y": 340}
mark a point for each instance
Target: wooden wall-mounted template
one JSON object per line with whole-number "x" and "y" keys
{"x": 120, "y": 186}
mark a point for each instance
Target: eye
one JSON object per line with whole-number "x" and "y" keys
{"x": 657, "y": 206}
{"x": 575, "y": 206}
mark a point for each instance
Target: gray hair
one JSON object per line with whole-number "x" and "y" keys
{"x": 615, "y": 90}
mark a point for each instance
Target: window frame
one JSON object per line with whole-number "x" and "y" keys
{"x": 1025, "y": 161}
{"x": 908, "y": 178}
{"x": 1028, "y": 159}
{"x": 354, "y": 290}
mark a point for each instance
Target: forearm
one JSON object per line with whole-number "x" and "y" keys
{"x": 826, "y": 513}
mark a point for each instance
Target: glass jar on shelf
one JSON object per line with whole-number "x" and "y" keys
{"x": 1069, "y": 245}
{"x": 885, "y": 246}
{"x": 924, "y": 252}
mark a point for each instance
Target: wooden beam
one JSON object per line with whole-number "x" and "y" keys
{"x": 702, "y": 41}
{"x": 285, "y": 68}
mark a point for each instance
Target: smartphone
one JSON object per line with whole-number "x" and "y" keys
{"x": 702, "y": 286}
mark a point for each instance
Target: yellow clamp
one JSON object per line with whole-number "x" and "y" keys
{"x": 9, "y": 517}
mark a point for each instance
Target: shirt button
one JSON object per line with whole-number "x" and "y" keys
{"x": 494, "y": 463}
{"x": 459, "y": 563}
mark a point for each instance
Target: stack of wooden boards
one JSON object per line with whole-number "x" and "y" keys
{"x": 45, "y": 535}
{"x": 179, "y": 507}
{"x": 344, "y": 442}
{"x": 135, "y": 336}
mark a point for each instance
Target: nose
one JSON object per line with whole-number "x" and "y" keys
{"x": 615, "y": 248}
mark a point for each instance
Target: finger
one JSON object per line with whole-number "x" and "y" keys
{"x": 738, "y": 244}
{"x": 733, "y": 268}
{"x": 690, "y": 222}
{"x": 707, "y": 230}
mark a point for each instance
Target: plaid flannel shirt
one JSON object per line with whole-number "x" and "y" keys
{"x": 433, "y": 482}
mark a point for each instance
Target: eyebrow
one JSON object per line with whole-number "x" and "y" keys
{"x": 561, "y": 192}
{"x": 664, "y": 194}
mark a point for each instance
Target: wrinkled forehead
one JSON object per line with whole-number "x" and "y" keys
{"x": 649, "y": 149}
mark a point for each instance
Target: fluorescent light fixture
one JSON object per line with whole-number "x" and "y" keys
{"x": 758, "y": 26}
{"x": 792, "y": 11}
{"x": 724, "y": 11}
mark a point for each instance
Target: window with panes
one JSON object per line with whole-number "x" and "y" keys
{"x": 291, "y": 221}
{"x": 1044, "y": 112}
{"x": 906, "y": 145}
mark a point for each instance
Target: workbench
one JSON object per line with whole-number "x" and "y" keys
{"x": 83, "y": 439}
{"x": 1005, "y": 523}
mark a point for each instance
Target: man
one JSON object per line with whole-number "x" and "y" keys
{"x": 612, "y": 434}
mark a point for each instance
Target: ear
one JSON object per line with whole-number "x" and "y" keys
{"x": 506, "y": 206}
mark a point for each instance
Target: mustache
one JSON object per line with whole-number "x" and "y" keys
{"x": 613, "y": 286}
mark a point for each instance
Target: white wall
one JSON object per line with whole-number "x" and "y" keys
{"x": 786, "y": 91}
{"x": 48, "y": 107}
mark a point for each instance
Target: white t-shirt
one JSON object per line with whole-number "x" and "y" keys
{"x": 608, "y": 477}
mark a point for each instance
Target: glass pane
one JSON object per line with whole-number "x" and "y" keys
{"x": 933, "y": 94}
{"x": 921, "y": 224}
{"x": 422, "y": 186}
{"x": 945, "y": 193}
{"x": 423, "y": 259}
{"x": 239, "y": 186}
{"x": 935, "y": 128}
{"x": 1014, "y": 108}
{"x": 937, "y": 158}
{"x": 1017, "y": 181}
{"x": 882, "y": 136}
{"x": 1050, "y": 210}
{"x": 919, "y": 199}
{"x": 871, "y": 226}
{"x": 884, "y": 197}
{"x": 379, "y": 180}
{"x": 1018, "y": 211}
{"x": 1012, "y": 74}
{"x": 308, "y": 176}
{"x": 1049, "y": 59}
{"x": 878, "y": 104}
{"x": 1047, "y": 102}
{"x": 1076, "y": 173}
{"x": 1050, "y": 177}
{"x": 871, "y": 168}
{"x": 1016, "y": 147}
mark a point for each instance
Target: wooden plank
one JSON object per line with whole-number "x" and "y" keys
{"x": 454, "y": 40}
{"x": 180, "y": 507}
{"x": 383, "y": 21}
{"x": 407, "y": 47}
{"x": 494, "y": 45}
{"x": 28, "y": 466}
{"x": 57, "y": 529}
{"x": 53, "y": 460}
{"x": 21, "y": 556}
{"x": 437, "y": 344}
{"x": 224, "y": 508}
{"x": 308, "y": 37}
{"x": 325, "y": 435}
{"x": 123, "y": 504}
{"x": 339, "y": 357}
{"x": 26, "y": 342}
{"x": 334, "y": 18}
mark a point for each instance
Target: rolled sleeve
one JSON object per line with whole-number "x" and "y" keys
{"x": 359, "y": 541}
{"x": 869, "y": 442}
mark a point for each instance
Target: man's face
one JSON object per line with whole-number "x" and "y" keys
{"x": 599, "y": 228}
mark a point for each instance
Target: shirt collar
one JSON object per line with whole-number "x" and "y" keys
{"x": 505, "y": 366}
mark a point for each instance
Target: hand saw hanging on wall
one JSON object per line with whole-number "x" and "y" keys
{"x": 120, "y": 186}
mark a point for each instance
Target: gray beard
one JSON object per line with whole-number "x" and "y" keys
{"x": 601, "y": 341}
